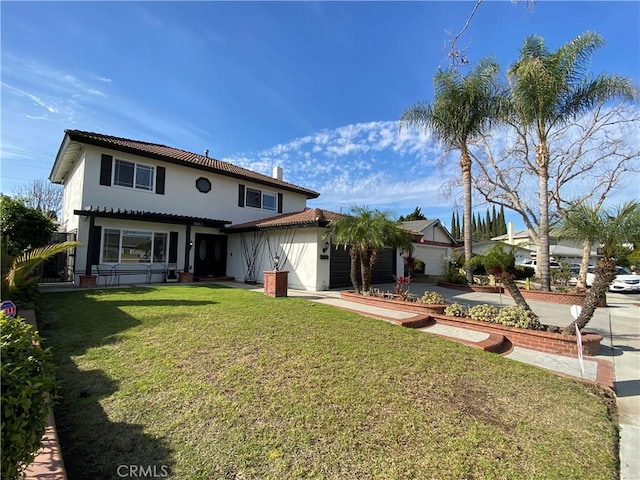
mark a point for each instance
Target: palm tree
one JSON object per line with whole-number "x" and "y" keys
{"x": 501, "y": 264}
{"x": 366, "y": 233}
{"x": 549, "y": 89}
{"x": 463, "y": 108}
{"x": 609, "y": 229}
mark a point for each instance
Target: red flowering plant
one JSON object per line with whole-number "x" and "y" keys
{"x": 399, "y": 289}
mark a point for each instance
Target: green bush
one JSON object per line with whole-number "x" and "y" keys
{"x": 455, "y": 310}
{"x": 518, "y": 316}
{"x": 521, "y": 272}
{"x": 432, "y": 298}
{"x": 418, "y": 266}
{"x": 484, "y": 313}
{"x": 28, "y": 383}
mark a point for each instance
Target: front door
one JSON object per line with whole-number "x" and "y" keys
{"x": 210, "y": 255}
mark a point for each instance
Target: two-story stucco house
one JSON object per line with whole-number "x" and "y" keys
{"x": 146, "y": 212}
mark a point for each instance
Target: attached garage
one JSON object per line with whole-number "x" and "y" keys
{"x": 340, "y": 265}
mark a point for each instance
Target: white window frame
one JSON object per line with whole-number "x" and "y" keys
{"x": 121, "y": 231}
{"x": 135, "y": 185}
{"x": 262, "y": 196}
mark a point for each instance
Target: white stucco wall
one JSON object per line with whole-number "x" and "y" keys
{"x": 432, "y": 257}
{"x": 72, "y": 196}
{"x": 181, "y": 196}
{"x": 299, "y": 255}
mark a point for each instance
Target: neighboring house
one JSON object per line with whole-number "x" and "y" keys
{"x": 152, "y": 212}
{"x": 560, "y": 250}
{"x": 433, "y": 244}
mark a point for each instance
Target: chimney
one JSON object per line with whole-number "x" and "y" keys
{"x": 277, "y": 173}
{"x": 510, "y": 233}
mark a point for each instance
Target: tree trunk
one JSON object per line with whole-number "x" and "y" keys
{"x": 465, "y": 164}
{"x": 542, "y": 160}
{"x": 353, "y": 273}
{"x": 365, "y": 264}
{"x": 510, "y": 284}
{"x": 584, "y": 264}
{"x": 604, "y": 275}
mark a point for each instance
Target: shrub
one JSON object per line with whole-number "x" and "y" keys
{"x": 419, "y": 266}
{"x": 521, "y": 272}
{"x": 28, "y": 381}
{"x": 454, "y": 275}
{"x": 484, "y": 313}
{"x": 455, "y": 310}
{"x": 518, "y": 317}
{"x": 432, "y": 298}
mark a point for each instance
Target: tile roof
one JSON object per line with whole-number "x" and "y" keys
{"x": 306, "y": 218}
{"x": 170, "y": 155}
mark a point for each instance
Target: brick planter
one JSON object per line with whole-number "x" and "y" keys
{"x": 185, "y": 277}
{"x": 554, "y": 297}
{"x": 275, "y": 283}
{"x": 535, "y": 340}
{"x": 532, "y": 339}
{"x": 473, "y": 288}
{"x": 394, "y": 304}
{"x": 88, "y": 281}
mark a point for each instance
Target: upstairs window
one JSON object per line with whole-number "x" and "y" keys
{"x": 133, "y": 175}
{"x": 253, "y": 197}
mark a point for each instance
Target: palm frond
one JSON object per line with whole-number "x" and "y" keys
{"x": 23, "y": 266}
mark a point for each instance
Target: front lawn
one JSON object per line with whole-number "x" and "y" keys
{"x": 207, "y": 382}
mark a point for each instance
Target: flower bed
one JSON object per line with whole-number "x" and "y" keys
{"x": 396, "y": 304}
{"x": 543, "y": 341}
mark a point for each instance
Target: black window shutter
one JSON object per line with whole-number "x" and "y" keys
{"x": 241, "y": 195}
{"x": 105, "y": 170}
{"x": 173, "y": 247}
{"x": 160, "y": 174}
{"x": 280, "y": 197}
{"x": 94, "y": 243}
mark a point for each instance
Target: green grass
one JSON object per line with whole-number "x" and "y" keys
{"x": 216, "y": 382}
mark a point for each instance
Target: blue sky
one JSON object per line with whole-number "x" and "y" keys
{"x": 315, "y": 87}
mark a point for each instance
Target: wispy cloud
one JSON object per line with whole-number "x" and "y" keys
{"x": 368, "y": 163}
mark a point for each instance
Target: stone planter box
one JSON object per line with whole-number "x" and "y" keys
{"x": 416, "y": 307}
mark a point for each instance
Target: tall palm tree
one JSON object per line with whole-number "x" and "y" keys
{"x": 547, "y": 90}
{"x": 462, "y": 109}
{"x": 366, "y": 232}
{"x": 609, "y": 229}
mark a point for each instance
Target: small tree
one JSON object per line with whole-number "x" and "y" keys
{"x": 365, "y": 233}
{"x": 23, "y": 227}
{"x": 610, "y": 229}
{"x": 42, "y": 195}
{"x": 501, "y": 264}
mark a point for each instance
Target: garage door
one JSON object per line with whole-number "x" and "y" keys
{"x": 340, "y": 266}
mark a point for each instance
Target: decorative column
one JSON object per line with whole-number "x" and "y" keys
{"x": 275, "y": 283}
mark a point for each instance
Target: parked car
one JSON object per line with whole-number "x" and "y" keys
{"x": 574, "y": 272}
{"x": 534, "y": 264}
{"x": 625, "y": 281}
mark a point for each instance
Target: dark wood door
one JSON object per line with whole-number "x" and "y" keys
{"x": 210, "y": 256}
